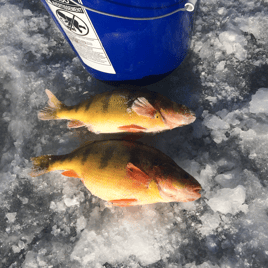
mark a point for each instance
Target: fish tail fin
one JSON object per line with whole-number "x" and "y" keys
{"x": 40, "y": 165}
{"x": 50, "y": 112}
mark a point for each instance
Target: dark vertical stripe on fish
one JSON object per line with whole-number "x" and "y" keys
{"x": 88, "y": 103}
{"x": 77, "y": 107}
{"x": 68, "y": 108}
{"x": 86, "y": 152}
{"x": 135, "y": 154}
{"x": 106, "y": 100}
{"x": 107, "y": 156}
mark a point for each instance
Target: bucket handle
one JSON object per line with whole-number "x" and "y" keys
{"x": 187, "y": 7}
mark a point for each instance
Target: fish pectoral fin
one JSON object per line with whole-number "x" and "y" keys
{"x": 137, "y": 175}
{"x": 75, "y": 124}
{"x": 124, "y": 202}
{"x": 70, "y": 173}
{"x": 132, "y": 128}
{"x": 142, "y": 107}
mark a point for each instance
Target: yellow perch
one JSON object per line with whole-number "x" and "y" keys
{"x": 120, "y": 111}
{"x": 123, "y": 173}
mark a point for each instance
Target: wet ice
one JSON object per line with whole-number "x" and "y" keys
{"x": 54, "y": 221}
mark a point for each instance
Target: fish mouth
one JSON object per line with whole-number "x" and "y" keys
{"x": 191, "y": 117}
{"x": 194, "y": 193}
{"x": 197, "y": 189}
{"x": 172, "y": 119}
{"x": 197, "y": 193}
{"x": 185, "y": 195}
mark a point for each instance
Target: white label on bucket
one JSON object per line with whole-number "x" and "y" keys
{"x": 78, "y": 27}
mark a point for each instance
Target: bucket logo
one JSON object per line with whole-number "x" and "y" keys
{"x": 67, "y": 5}
{"x": 72, "y": 22}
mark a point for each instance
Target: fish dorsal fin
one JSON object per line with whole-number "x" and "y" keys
{"x": 142, "y": 107}
{"x": 75, "y": 124}
{"x": 137, "y": 175}
{"x": 70, "y": 173}
{"x": 53, "y": 102}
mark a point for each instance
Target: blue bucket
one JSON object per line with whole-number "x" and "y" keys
{"x": 129, "y": 41}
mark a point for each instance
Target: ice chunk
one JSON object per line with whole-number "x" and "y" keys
{"x": 115, "y": 246}
{"x": 220, "y": 66}
{"x": 215, "y": 122}
{"x": 218, "y": 126}
{"x": 209, "y": 223}
{"x": 11, "y": 216}
{"x": 194, "y": 168}
{"x": 81, "y": 223}
{"x": 30, "y": 260}
{"x": 8, "y": 177}
{"x": 191, "y": 206}
{"x": 206, "y": 176}
{"x": 233, "y": 42}
{"x": 16, "y": 249}
{"x": 229, "y": 200}
{"x": 225, "y": 164}
{"x": 248, "y": 135}
{"x": 225, "y": 180}
{"x": 55, "y": 231}
{"x": 70, "y": 202}
{"x": 206, "y": 51}
{"x": 24, "y": 200}
{"x": 231, "y": 118}
{"x": 259, "y": 102}
{"x": 58, "y": 206}
{"x": 254, "y": 25}
{"x": 221, "y": 10}
{"x": 27, "y": 12}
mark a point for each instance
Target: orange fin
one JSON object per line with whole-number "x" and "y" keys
{"x": 70, "y": 173}
{"x": 50, "y": 112}
{"x": 53, "y": 102}
{"x": 124, "y": 202}
{"x": 132, "y": 128}
{"x": 137, "y": 175}
{"x": 142, "y": 107}
{"x": 75, "y": 124}
{"x": 40, "y": 165}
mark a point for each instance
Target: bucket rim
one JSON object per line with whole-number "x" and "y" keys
{"x": 189, "y": 6}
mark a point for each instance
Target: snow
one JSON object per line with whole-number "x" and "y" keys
{"x": 53, "y": 221}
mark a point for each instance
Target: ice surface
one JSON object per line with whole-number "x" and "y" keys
{"x": 53, "y": 221}
{"x": 229, "y": 200}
